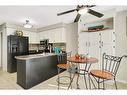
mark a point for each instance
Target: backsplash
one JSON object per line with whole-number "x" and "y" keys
{"x": 33, "y": 46}
{"x": 62, "y": 46}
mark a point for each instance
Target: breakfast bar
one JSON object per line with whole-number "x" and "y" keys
{"x": 36, "y": 68}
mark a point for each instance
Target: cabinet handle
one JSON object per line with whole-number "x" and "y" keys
{"x": 102, "y": 43}
{"x": 89, "y": 44}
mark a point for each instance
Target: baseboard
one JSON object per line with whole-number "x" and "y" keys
{"x": 122, "y": 81}
{"x": 111, "y": 82}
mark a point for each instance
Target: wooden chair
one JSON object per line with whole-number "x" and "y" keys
{"x": 110, "y": 66}
{"x": 63, "y": 66}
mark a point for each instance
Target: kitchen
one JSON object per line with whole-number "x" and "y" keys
{"x": 35, "y": 47}
{"x": 66, "y": 37}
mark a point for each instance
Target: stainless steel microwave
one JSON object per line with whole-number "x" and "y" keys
{"x": 44, "y": 42}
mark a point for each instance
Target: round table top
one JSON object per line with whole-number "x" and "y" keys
{"x": 85, "y": 60}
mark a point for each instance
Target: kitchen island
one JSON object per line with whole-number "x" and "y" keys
{"x": 36, "y": 68}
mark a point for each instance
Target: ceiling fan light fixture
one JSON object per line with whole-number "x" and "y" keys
{"x": 83, "y": 11}
{"x": 27, "y": 24}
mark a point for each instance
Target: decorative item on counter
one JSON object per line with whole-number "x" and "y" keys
{"x": 77, "y": 56}
{"x": 19, "y": 33}
{"x": 82, "y": 56}
{"x": 56, "y": 50}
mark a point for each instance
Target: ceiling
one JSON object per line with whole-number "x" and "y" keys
{"x": 41, "y": 16}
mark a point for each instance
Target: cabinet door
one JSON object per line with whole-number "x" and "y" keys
{"x": 89, "y": 44}
{"x": 94, "y": 48}
{"x": 83, "y": 43}
{"x": 58, "y": 36}
{"x": 108, "y": 42}
{"x": 107, "y": 37}
{"x": 33, "y": 38}
{"x": 44, "y": 35}
{"x": 51, "y": 37}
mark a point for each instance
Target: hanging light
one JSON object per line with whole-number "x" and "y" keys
{"x": 83, "y": 11}
{"x": 27, "y": 24}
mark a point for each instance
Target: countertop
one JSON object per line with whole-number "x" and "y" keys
{"x": 31, "y": 56}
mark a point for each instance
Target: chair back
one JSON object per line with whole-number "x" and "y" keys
{"x": 111, "y": 63}
{"x": 62, "y": 57}
{"x": 69, "y": 54}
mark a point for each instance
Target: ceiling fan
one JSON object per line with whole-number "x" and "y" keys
{"x": 81, "y": 9}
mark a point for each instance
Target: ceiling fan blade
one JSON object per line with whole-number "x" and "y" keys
{"x": 66, "y": 12}
{"x": 95, "y": 13}
{"x": 77, "y": 18}
{"x": 89, "y": 6}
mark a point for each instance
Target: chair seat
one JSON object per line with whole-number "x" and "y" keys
{"x": 63, "y": 66}
{"x": 101, "y": 74}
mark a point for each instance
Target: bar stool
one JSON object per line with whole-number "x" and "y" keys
{"x": 110, "y": 66}
{"x": 63, "y": 64}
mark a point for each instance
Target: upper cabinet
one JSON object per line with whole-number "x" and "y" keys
{"x": 32, "y": 37}
{"x": 54, "y": 35}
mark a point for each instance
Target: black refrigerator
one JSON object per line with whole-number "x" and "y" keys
{"x": 17, "y": 45}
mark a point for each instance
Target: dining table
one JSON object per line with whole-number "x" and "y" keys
{"x": 87, "y": 61}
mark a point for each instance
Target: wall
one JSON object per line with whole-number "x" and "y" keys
{"x": 8, "y": 29}
{"x": 31, "y": 35}
{"x": 72, "y": 37}
{"x": 4, "y": 49}
{"x": 0, "y": 50}
{"x": 121, "y": 43}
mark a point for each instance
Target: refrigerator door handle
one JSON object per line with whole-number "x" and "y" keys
{"x": 14, "y": 49}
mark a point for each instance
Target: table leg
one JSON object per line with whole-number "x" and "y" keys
{"x": 78, "y": 72}
{"x": 85, "y": 81}
{"x": 71, "y": 81}
{"x": 77, "y": 82}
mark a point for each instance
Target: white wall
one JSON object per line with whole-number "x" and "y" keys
{"x": 72, "y": 37}
{"x": 10, "y": 31}
{"x": 121, "y": 43}
{"x": 4, "y": 49}
{"x": 0, "y": 50}
{"x": 31, "y": 35}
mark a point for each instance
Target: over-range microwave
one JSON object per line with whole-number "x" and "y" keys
{"x": 44, "y": 42}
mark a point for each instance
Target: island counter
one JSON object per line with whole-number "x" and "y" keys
{"x": 34, "y": 69}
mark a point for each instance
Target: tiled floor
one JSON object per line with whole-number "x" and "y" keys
{"x": 8, "y": 81}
